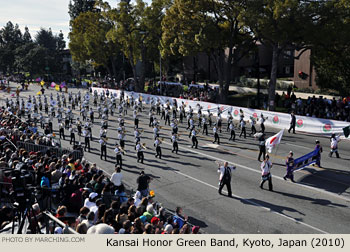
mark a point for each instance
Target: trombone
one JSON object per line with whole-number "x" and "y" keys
{"x": 122, "y": 150}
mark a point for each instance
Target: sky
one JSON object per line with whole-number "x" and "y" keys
{"x": 39, "y": 13}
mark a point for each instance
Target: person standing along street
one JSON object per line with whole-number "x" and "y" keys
{"x": 266, "y": 172}
{"x": 143, "y": 184}
{"x": 225, "y": 177}
{"x": 293, "y": 121}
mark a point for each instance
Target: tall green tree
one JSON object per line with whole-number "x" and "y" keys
{"x": 279, "y": 24}
{"x": 88, "y": 41}
{"x": 213, "y": 27}
{"x": 10, "y": 39}
{"x": 76, "y": 7}
{"x": 54, "y": 45}
{"x": 137, "y": 30}
{"x": 331, "y": 53}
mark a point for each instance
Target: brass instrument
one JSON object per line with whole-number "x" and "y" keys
{"x": 218, "y": 162}
{"x": 144, "y": 146}
{"x": 122, "y": 150}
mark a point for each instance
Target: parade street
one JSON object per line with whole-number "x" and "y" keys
{"x": 317, "y": 203}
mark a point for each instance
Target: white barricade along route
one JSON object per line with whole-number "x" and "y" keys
{"x": 274, "y": 119}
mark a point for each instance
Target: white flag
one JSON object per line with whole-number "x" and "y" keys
{"x": 273, "y": 141}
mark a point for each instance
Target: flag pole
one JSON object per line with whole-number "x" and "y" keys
{"x": 273, "y": 158}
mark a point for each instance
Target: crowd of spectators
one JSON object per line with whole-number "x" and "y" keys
{"x": 321, "y": 107}
{"x": 79, "y": 194}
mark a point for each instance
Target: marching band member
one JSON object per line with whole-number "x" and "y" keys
{"x": 86, "y": 134}
{"x": 182, "y": 113}
{"x": 219, "y": 122}
{"x": 151, "y": 118}
{"x": 88, "y": 125}
{"x": 118, "y": 152}
{"x": 157, "y": 143}
{"x": 139, "y": 148}
{"x": 99, "y": 111}
{"x": 243, "y": 130}
{"x": 136, "y": 119}
{"x": 194, "y": 138}
{"x": 262, "y": 121}
{"x": 72, "y": 135}
{"x": 121, "y": 137}
{"x": 209, "y": 118}
{"x": 137, "y": 135}
{"x": 252, "y": 123}
{"x": 175, "y": 144}
{"x": 229, "y": 120}
{"x": 216, "y": 135}
{"x": 167, "y": 116}
{"x": 156, "y": 132}
{"x": 205, "y": 125}
{"x": 83, "y": 113}
{"x": 79, "y": 126}
{"x": 174, "y": 127}
{"x": 232, "y": 131}
{"x": 103, "y": 143}
{"x": 61, "y": 130}
{"x": 91, "y": 114}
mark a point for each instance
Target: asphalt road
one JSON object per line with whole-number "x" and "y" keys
{"x": 317, "y": 203}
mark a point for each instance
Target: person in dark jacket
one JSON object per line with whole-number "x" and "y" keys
{"x": 292, "y": 123}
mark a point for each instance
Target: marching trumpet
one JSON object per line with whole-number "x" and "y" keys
{"x": 144, "y": 146}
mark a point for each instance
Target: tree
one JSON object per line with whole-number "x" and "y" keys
{"x": 54, "y": 45}
{"x": 76, "y": 7}
{"x": 331, "y": 53}
{"x": 280, "y": 24}
{"x": 209, "y": 26}
{"x": 137, "y": 30}
{"x": 88, "y": 41}
{"x": 10, "y": 39}
{"x": 27, "y": 38}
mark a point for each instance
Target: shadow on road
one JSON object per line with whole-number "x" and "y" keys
{"x": 331, "y": 180}
{"x": 322, "y": 202}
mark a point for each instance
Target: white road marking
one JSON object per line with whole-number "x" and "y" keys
{"x": 211, "y": 145}
{"x": 256, "y": 204}
{"x": 257, "y": 171}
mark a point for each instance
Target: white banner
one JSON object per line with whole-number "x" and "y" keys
{"x": 274, "y": 119}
